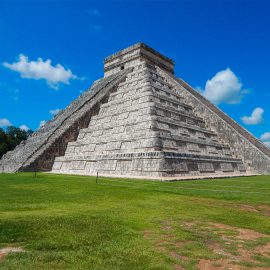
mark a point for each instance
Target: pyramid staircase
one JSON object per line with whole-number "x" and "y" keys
{"x": 147, "y": 129}
{"x": 140, "y": 120}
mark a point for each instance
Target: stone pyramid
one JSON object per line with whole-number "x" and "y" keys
{"x": 140, "y": 120}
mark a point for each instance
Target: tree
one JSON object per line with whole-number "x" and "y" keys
{"x": 4, "y": 147}
{"x": 10, "y": 138}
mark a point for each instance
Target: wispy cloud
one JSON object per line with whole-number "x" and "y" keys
{"x": 42, "y": 123}
{"x": 4, "y": 122}
{"x": 224, "y": 87}
{"x": 39, "y": 69}
{"x": 255, "y": 118}
{"x": 24, "y": 127}
{"x": 266, "y": 138}
{"x": 54, "y": 112}
{"x": 94, "y": 27}
{"x": 15, "y": 93}
{"x": 94, "y": 12}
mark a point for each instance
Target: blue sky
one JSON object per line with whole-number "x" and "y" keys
{"x": 223, "y": 42}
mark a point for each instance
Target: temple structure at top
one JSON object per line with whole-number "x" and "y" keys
{"x": 134, "y": 55}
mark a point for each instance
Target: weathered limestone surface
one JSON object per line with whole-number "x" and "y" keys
{"x": 147, "y": 128}
{"x": 254, "y": 153}
{"x": 135, "y": 54}
{"x": 141, "y": 120}
{"x": 40, "y": 150}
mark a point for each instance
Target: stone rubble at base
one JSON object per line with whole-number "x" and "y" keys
{"x": 140, "y": 120}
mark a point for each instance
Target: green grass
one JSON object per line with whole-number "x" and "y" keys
{"x": 70, "y": 222}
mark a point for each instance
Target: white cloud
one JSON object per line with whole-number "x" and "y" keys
{"x": 13, "y": 92}
{"x": 224, "y": 87}
{"x": 4, "y": 122}
{"x": 16, "y": 93}
{"x": 54, "y": 112}
{"x": 24, "y": 127}
{"x": 41, "y": 70}
{"x": 94, "y": 12}
{"x": 42, "y": 123}
{"x": 255, "y": 118}
{"x": 266, "y": 138}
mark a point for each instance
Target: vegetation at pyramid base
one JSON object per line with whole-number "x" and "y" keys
{"x": 72, "y": 222}
{"x": 11, "y": 137}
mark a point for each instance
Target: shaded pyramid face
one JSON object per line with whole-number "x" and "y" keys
{"x": 39, "y": 151}
{"x": 142, "y": 121}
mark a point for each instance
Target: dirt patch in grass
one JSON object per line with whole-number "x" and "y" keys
{"x": 146, "y": 234}
{"x": 5, "y": 251}
{"x": 204, "y": 264}
{"x": 178, "y": 267}
{"x": 248, "y": 208}
{"x": 233, "y": 250}
{"x": 222, "y": 246}
{"x": 247, "y": 234}
{"x": 189, "y": 224}
{"x": 167, "y": 243}
{"x": 221, "y": 226}
{"x": 262, "y": 209}
{"x": 263, "y": 250}
{"x": 166, "y": 226}
{"x": 265, "y": 209}
{"x": 1, "y": 256}
{"x": 177, "y": 256}
{"x": 244, "y": 234}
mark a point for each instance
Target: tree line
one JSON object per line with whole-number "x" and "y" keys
{"x": 11, "y": 137}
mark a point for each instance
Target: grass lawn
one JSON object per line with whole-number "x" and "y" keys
{"x": 70, "y": 222}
